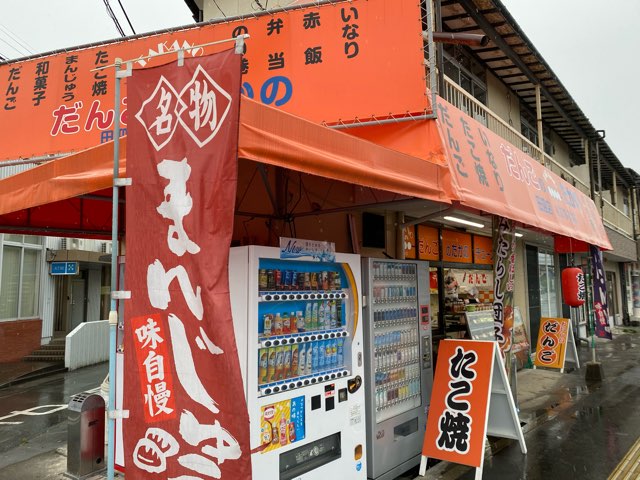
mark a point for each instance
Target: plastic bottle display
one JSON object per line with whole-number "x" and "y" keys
{"x": 298, "y": 331}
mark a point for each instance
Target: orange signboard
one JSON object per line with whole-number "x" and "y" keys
{"x": 428, "y": 243}
{"x": 330, "y": 63}
{"x": 492, "y": 175}
{"x": 457, "y": 421}
{"x": 409, "y": 234}
{"x": 482, "y": 250}
{"x": 552, "y": 342}
{"x": 456, "y": 246}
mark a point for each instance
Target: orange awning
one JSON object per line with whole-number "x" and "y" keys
{"x": 491, "y": 175}
{"x": 60, "y": 196}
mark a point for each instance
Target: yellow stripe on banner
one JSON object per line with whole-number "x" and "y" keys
{"x": 352, "y": 281}
{"x": 629, "y": 467}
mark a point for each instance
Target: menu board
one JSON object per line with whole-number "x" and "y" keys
{"x": 480, "y": 325}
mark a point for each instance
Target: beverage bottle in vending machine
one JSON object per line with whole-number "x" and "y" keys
{"x": 314, "y": 316}
{"x": 315, "y": 358}
{"x": 311, "y": 359}
{"x": 279, "y": 363}
{"x": 283, "y": 431}
{"x": 267, "y": 324}
{"x": 286, "y": 323}
{"x": 327, "y": 315}
{"x": 286, "y": 361}
{"x": 339, "y": 313}
{"x": 302, "y": 362}
{"x": 322, "y": 355}
{"x": 295, "y": 365}
{"x": 333, "y": 315}
{"x": 340, "y": 353}
{"x": 334, "y": 353}
{"x": 300, "y": 321}
{"x": 277, "y": 325}
{"x": 321, "y": 317}
{"x": 271, "y": 366}
{"x": 293, "y": 321}
{"x": 263, "y": 362}
{"x": 308, "y": 324}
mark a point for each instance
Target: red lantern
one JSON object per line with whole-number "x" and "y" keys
{"x": 573, "y": 286}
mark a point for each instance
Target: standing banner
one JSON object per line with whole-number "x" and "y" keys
{"x": 183, "y": 386}
{"x": 603, "y": 330}
{"x": 470, "y": 399}
{"x": 504, "y": 244}
{"x": 555, "y": 344}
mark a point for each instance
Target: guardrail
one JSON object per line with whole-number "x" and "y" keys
{"x": 87, "y": 344}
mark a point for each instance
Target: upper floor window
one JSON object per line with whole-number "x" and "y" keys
{"x": 528, "y": 128}
{"x": 464, "y": 70}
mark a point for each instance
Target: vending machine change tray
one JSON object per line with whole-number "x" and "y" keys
{"x": 310, "y": 456}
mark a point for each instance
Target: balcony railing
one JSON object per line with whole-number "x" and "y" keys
{"x": 454, "y": 94}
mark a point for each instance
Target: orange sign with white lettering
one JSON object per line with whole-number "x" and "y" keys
{"x": 552, "y": 342}
{"x": 457, "y": 421}
{"x": 482, "y": 250}
{"x": 456, "y": 246}
{"x": 409, "y": 236}
{"x": 428, "y": 243}
{"x": 367, "y": 55}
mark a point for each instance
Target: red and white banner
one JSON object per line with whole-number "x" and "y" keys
{"x": 183, "y": 386}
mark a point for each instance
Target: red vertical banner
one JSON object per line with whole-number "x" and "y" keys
{"x": 504, "y": 264}
{"x": 187, "y": 412}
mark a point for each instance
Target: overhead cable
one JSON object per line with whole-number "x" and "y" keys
{"x": 126, "y": 16}
{"x": 114, "y": 18}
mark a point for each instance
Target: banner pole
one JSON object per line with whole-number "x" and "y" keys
{"x": 113, "y": 313}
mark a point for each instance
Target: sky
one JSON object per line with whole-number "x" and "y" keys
{"x": 590, "y": 45}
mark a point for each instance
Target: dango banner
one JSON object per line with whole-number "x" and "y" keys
{"x": 183, "y": 385}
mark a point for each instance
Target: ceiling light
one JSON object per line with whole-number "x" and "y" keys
{"x": 519, "y": 235}
{"x": 464, "y": 222}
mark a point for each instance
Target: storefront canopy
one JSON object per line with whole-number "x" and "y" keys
{"x": 491, "y": 175}
{"x": 72, "y": 194}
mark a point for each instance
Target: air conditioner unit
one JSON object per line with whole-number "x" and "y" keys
{"x": 73, "y": 244}
{"x": 105, "y": 247}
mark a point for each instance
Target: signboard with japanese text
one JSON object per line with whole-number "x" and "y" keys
{"x": 183, "y": 386}
{"x": 368, "y": 55}
{"x": 494, "y": 176}
{"x": 469, "y": 400}
{"x": 409, "y": 237}
{"x": 428, "y": 243}
{"x": 281, "y": 424}
{"x": 601, "y": 309}
{"x": 301, "y": 249}
{"x": 456, "y": 246}
{"x": 482, "y": 250}
{"x": 552, "y": 343}
{"x": 504, "y": 267}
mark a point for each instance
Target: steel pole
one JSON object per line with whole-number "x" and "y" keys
{"x": 113, "y": 313}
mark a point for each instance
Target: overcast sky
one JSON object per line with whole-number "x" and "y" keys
{"x": 591, "y": 46}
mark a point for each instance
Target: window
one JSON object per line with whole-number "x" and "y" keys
{"x": 465, "y": 71}
{"x": 548, "y": 288}
{"x": 20, "y": 276}
{"x": 527, "y": 128}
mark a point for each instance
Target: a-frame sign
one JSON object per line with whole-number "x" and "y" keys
{"x": 470, "y": 399}
{"x": 556, "y": 344}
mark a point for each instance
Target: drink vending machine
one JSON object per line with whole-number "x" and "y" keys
{"x": 299, "y": 334}
{"x": 398, "y": 366}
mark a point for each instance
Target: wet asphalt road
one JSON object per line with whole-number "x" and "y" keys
{"x": 588, "y": 431}
{"x": 45, "y": 401}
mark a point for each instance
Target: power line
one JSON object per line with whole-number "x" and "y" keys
{"x": 126, "y": 16}
{"x": 216, "y": 4}
{"x": 114, "y": 18}
{"x": 21, "y": 54}
{"x": 18, "y": 40}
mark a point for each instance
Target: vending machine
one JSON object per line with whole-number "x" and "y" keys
{"x": 398, "y": 363}
{"x": 299, "y": 332}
